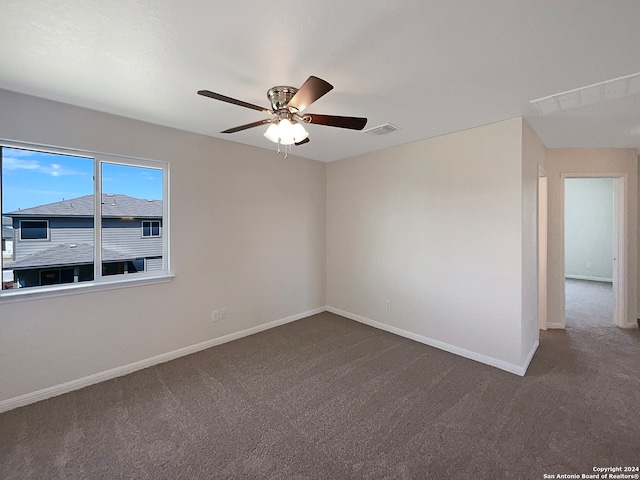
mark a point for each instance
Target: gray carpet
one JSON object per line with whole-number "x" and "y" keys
{"x": 588, "y": 304}
{"x": 328, "y": 398}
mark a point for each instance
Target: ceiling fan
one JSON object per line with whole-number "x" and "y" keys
{"x": 287, "y": 104}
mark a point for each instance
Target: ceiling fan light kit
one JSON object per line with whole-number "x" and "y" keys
{"x": 287, "y": 103}
{"x": 286, "y": 132}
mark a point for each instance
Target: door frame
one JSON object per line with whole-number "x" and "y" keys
{"x": 620, "y": 244}
{"x": 543, "y": 246}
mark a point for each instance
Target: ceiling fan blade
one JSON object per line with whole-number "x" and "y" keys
{"x": 224, "y": 98}
{"x": 309, "y": 92}
{"x": 353, "y": 123}
{"x": 302, "y": 142}
{"x": 248, "y": 125}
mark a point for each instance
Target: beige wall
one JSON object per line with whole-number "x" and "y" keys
{"x": 247, "y": 234}
{"x": 590, "y": 162}
{"x": 437, "y": 227}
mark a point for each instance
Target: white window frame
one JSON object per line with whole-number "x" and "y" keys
{"x": 46, "y": 239}
{"x": 100, "y": 282}
{"x": 151, "y": 222}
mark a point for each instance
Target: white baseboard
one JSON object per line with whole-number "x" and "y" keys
{"x": 494, "y": 362}
{"x": 56, "y": 390}
{"x": 586, "y": 277}
{"x": 530, "y": 355}
{"x": 551, "y": 326}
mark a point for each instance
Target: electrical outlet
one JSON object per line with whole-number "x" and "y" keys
{"x": 223, "y": 313}
{"x": 215, "y": 315}
{"x": 387, "y": 305}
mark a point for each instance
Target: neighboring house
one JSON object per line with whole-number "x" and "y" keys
{"x": 54, "y": 242}
{"x": 7, "y": 251}
{"x": 7, "y": 238}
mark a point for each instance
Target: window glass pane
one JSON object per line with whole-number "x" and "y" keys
{"x": 34, "y": 230}
{"x": 47, "y": 217}
{"x": 66, "y": 275}
{"x": 132, "y": 197}
{"x": 49, "y": 277}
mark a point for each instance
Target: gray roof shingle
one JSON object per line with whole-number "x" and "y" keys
{"x": 113, "y": 205}
{"x": 66, "y": 255}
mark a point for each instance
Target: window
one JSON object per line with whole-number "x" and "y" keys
{"x": 59, "y": 275}
{"x": 34, "y": 230}
{"x": 78, "y": 217}
{"x": 151, "y": 228}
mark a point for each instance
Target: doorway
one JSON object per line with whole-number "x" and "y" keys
{"x": 593, "y": 220}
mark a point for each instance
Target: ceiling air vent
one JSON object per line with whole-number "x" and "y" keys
{"x": 598, "y": 92}
{"x": 381, "y": 129}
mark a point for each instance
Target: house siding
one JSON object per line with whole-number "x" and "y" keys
{"x": 61, "y": 231}
{"x": 121, "y": 235}
{"x": 126, "y": 236}
{"x": 153, "y": 264}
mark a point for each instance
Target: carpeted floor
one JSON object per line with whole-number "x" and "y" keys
{"x": 588, "y": 304}
{"x": 329, "y": 398}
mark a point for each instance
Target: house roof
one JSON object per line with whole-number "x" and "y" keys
{"x": 66, "y": 255}
{"x": 7, "y": 232}
{"x": 113, "y": 205}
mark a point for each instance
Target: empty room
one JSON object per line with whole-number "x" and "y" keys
{"x": 319, "y": 240}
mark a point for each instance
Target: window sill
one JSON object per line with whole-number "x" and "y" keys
{"x": 32, "y": 293}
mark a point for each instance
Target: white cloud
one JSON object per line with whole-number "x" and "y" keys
{"x": 53, "y": 169}
{"x": 12, "y": 163}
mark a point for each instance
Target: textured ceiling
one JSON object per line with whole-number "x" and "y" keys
{"x": 428, "y": 67}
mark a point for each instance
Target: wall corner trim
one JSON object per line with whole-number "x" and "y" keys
{"x": 53, "y": 391}
{"x": 478, "y": 357}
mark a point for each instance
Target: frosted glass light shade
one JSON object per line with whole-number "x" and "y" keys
{"x": 285, "y": 132}
{"x": 272, "y": 133}
{"x": 299, "y": 133}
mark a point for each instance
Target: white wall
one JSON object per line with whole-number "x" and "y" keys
{"x": 437, "y": 227}
{"x": 590, "y": 161}
{"x": 588, "y": 234}
{"x": 533, "y": 157}
{"x": 247, "y": 234}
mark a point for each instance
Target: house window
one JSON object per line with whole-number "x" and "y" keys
{"x": 56, "y": 276}
{"x": 150, "y": 228}
{"x": 34, "y": 230}
{"x": 79, "y": 215}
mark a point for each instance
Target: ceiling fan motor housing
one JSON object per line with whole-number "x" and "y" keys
{"x": 280, "y": 97}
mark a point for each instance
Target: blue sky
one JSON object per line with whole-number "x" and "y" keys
{"x": 32, "y": 178}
